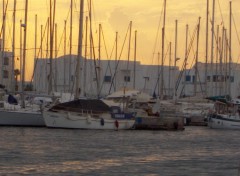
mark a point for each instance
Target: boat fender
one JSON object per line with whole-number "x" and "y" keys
{"x": 102, "y": 121}
{"x": 116, "y": 124}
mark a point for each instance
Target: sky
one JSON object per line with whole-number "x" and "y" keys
{"x": 115, "y": 16}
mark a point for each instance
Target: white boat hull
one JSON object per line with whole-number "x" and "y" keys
{"x": 222, "y": 121}
{"x": 83, "y": 121}
{"x": 21, "y": 118}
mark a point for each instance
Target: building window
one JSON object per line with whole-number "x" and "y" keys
{"x": 193, "y": 79}
{"x": 107, "y": 79}
{"x": 127, "y": 78}
{"x": 208, "y": 78}
{"x": 5, "y": 74}
{"x": 6, "y": 61}
{"x": 188, "y": 78}
{"x": 215, "y": 78}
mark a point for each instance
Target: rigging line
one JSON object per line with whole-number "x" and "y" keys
{"x": 4, "y": 16}
{"x": 93, "y": 14}
{"x": 194, "y": 56}
{"x": 94, "y": 57}
{"x": 113, "y": 48}
{"x": 39, "y": 51}
{"x": 235, "y": 27}
{"x": 59, "y": 45}
{"x": 162, "y": 68}
{"x": 189, "y": 48}
{"x": 215, "y": 38}
{"x": 129, "y": 49}
{"x": 92, "y": 42}
{"x": 104, "y": 41}
{"x": 118, "y": 60}
{"x": 108, "y": 66}
{"x": 221, "y": 12}
{"x": 185, "y": 60}
{"x": 75, "y": 5}
{"x": 157, "y": 35}
{"x": 187, "y": 74}
{"x": 9, "y": 36}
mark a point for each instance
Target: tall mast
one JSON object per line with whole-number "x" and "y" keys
{"x": 226, "y": 61}
{"x": 196, "y": 65}
{"x": 24, "y": 50}
{"x": 85, "y": 59}
{"x": 41, "y": 78}
{"x": 213, "y": 18}
{"x": 175, "y": 62}
{"x": 206, "y": 60}
{"x": 185, "y": 59}
{"x": 64, "y": 60}
{"x": 47, "y": 50}
{"x": 41, "y": 50}
{"x": 129, "y": 48}
{"x": 230, "y": 48}
{"x": 70, "y": 49}
{"x": 55, "y": 58}
{"x": 3, "y": 40}
{"x": 91, "y": 42}
{"x": 169, "y": 71}
{"x": 13, "y": 46}
{"x": 99, "y": 42}
{"x": 99, "y": 57}
{"x": 21, "y": 59}
{"x": 217, "y": 56}
{"x": 116, "y": 53}
{"x": 35, "y": 49}
{"x": 80, "y": 35}
{"x": 163, "y": 36}
{"x": 221, "y": 61}
{"x": 52, "y": 22}
{"x": 159, "y": 87}
{"x": 135, "y": 58}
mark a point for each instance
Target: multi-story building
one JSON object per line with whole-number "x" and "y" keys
{"x": 108, "y": 76}
{"x": 6, "y": 76}
{"x": 105, "y": 77}
{"x": 212, "y": 80}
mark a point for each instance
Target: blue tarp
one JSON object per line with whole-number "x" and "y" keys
{"x": 12, "y": 100}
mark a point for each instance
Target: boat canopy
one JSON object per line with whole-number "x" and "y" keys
{"x": 81, "y": 105}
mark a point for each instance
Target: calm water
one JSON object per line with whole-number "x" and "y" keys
{"x": 194, "y": 151}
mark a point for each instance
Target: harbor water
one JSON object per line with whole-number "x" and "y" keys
{"x": 60, "y": 152}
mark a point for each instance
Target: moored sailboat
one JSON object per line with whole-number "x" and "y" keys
{"x": 88, "y": 114}
{"x": 15, "y": 114}
{"x": 226, "y": 116}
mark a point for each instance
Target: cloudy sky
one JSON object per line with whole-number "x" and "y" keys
{"x": 146, "y": 17}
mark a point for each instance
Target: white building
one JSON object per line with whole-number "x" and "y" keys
{"x": 6, "y": 76}
{"x": 146, "y": 76}
{"x": 219, "y": 81}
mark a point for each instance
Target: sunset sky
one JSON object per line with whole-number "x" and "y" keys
{"x": 115, "y": 15}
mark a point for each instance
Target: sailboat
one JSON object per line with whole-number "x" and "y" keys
{"x": 225, "y": 116}
{"x": 86, "y": 113}
{"x": 11, "y": 112}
